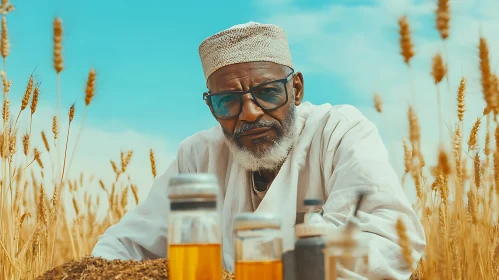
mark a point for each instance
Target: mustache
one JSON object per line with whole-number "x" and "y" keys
{"x": 249, "y": 126}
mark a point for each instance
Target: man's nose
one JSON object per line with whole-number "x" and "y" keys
{"x": 250, "y": 111}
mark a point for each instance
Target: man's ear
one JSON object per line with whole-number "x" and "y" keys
{"x": 206, "y": 99}
{"x": 298, "y": 87}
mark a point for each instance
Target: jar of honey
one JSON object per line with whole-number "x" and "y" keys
{"x": 258, "y": 247}
{"x": 194, "y": 236}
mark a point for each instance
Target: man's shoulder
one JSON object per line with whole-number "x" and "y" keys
{"x": 203, "y": 140}
{"x": 339, "y": 112}
{"x": 331, "y": 123}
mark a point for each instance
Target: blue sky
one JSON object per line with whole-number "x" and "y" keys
{"x": 149, "y": 74}
{"x": 150, "y": 80}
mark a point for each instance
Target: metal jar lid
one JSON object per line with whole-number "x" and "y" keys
{"x": 252, "y": 220}
{"x": 193, "y": 185}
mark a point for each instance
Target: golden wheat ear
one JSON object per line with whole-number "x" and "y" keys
{"x": 406, "y": 45}
{"x": 443, "y": 18}
{"x": 405, "y": 244}
{"x": 57, "y": 56}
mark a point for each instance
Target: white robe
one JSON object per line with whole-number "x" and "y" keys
{"x": 338, "y": 153}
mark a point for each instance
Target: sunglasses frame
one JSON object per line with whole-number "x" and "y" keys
{"x": 284, "y": 81}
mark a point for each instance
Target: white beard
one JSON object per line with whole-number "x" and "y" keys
{"x": 270, "y": 159}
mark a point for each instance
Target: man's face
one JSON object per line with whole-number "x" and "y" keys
{"x": 254, "y": 129}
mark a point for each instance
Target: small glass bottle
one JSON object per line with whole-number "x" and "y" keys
{"x": 314, "y": 214}
{"x": 346, "y": 254}
{"x": 258, "y": 246}
{"x": 310, "y": 243}
{"x": 194, "y": 237}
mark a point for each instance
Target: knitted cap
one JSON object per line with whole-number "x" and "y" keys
{"x": 247, "y": 42}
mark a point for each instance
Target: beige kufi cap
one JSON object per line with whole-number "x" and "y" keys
{"x": 247, "y": 42}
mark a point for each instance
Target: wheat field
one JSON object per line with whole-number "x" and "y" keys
{"x": 457, "y": 199}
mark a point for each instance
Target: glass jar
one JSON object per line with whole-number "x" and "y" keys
{"x": 346, "y": 254}
{"x": 194, "y": 237}
{"x": 258, "y": 246}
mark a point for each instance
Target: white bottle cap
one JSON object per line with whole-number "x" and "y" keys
{"x": 254, "y": 220}
{"x": 193, "y": 185}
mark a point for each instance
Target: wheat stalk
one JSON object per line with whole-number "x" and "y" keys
{"x": 58, "y": 62}
{"x": 461, "y": 105}
{"x": 414, "y": 130}
{"x": 26, "y": 97}
{"x": 407, "y": 48}
{"x": 59, "y": 186}
{"x": 4, "y": 43}
{"x": 4, "y": 48}
{"x": 89, "y": 95}
{"x": 153, "y": 163}
{"x": 71, "y": 114}
{"x": 45, "y": 141}
{"x": 406, "y": 45}
{"x": 472, "y": 142}
{"x": 55, "y": 129}
{"x": 378, "y": 104}
{"x": 34, "y": 101}
{"x": 486, "y": 74}
{"x": 438, "y": 72}
{"x": 443, "y": 18}
{"x": 404, "y": 244}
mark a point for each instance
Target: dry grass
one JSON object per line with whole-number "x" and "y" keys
{"x": 457, "y": 199}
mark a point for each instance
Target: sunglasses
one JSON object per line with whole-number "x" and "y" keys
{"x": 268, "y": 96}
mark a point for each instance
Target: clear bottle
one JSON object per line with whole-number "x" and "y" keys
{"x": 346, "y": 254}
{"x": 194, "y": 236}
{"x": 258, "y": 247}
{"x": 314, "y": 214}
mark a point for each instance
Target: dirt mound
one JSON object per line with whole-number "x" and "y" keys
{"x": 96, "y": 268}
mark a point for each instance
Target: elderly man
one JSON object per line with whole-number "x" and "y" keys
{"x": 270, "y": 152}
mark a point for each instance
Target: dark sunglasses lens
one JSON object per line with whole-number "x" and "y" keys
{"x": 225, "y": 105}
{"x": 271, "y": 95}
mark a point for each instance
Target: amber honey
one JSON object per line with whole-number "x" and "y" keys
{"x": 195, "y": 262}
{"x": 330, "y": 272}
{"x": 260, "y": 270}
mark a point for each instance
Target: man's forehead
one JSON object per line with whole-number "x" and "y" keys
{"x": 248, "y": 74}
